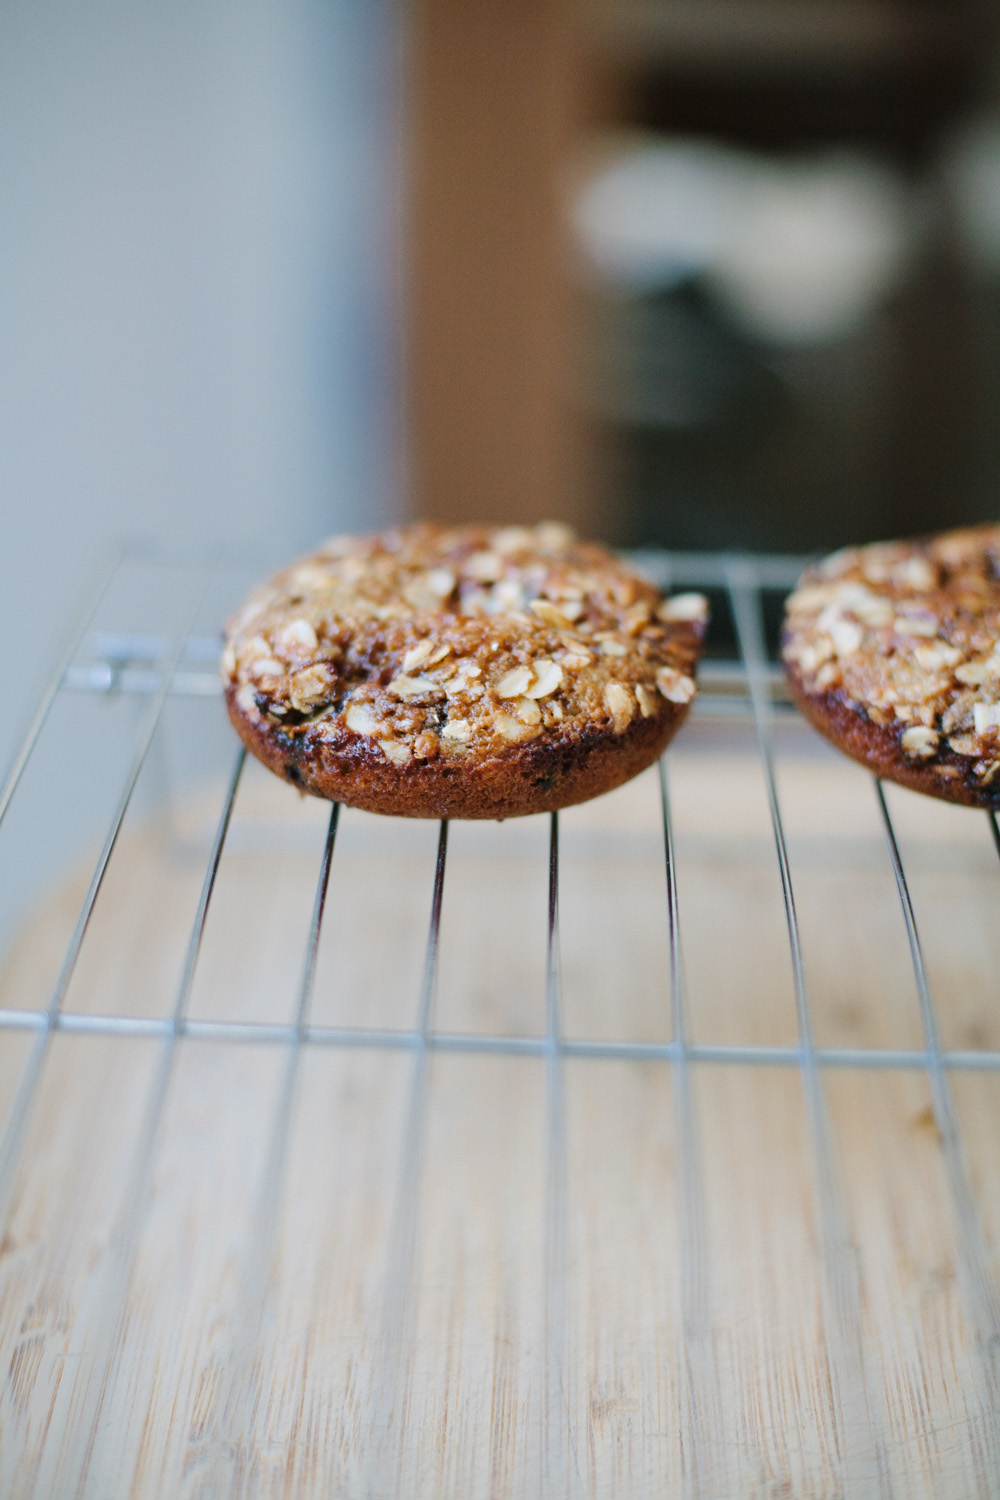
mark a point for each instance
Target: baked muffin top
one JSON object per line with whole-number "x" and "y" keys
{"x": 907, "y": 635}
{"x": 456, "y": 645}
{"x": 434, "y": 641}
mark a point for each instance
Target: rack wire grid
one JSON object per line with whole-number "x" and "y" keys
{"x": 643, "y": 1149}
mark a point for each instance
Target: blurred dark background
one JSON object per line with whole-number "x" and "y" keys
{"x": 706, "y": 274}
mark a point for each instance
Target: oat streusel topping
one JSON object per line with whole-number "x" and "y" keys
{"x": 908, "y": 635}
{"x": 431, "y": 642}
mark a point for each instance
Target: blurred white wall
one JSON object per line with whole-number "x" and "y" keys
{"x": 196, "y": 287}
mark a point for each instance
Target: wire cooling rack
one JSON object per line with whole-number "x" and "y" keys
{"x": 85, "y": 1415}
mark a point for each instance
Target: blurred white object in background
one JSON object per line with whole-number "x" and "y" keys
{"x": 658, "y": 213}
{"x": 796, "y": 251}
{"x": 972, "y": 173}
{"x": 817, "y": 246}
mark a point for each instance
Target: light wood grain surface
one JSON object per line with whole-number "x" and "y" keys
{"x": 253, "y": 1269}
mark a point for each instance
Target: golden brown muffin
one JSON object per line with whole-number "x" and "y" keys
{"x": 893, "y": 652}
{"x": 461, "y": 672}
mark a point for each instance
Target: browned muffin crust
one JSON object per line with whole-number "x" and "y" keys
{"x": 463, "y": 672}
{"x": 893, "y": 652}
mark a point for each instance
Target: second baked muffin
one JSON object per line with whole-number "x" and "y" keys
{"x": 893, "y": 652}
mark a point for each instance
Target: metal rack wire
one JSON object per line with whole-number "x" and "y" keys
{"x": 157, "y": 667}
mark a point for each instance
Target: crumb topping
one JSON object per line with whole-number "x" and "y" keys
{"x": 909, "y": 634}
{"x": 430, "y": 642}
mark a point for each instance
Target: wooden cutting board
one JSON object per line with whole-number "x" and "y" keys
{"x": 234, "y": 1265}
